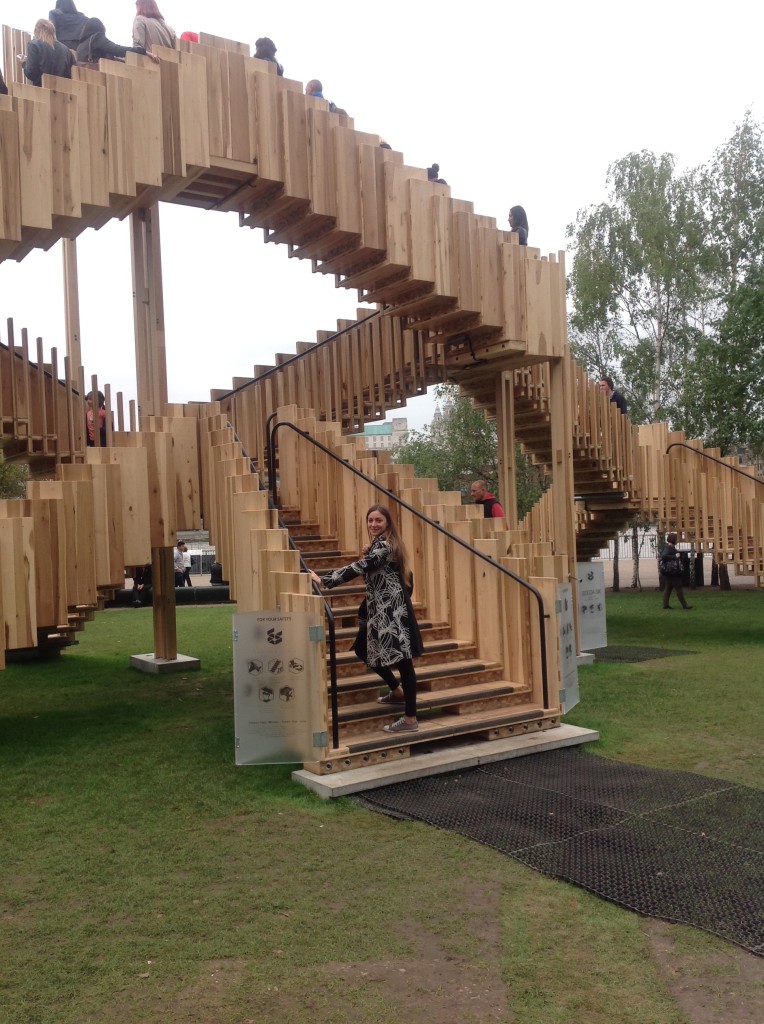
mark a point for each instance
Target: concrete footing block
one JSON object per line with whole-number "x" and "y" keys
{"x": 163, "y": 666}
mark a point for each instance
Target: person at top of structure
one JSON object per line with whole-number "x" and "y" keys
{"x": 90, "y": 420}
{"x": 315, "y": 89}
{"x": 150, "y": 29}
{"x": 67, "y": 22}
{"x": 46, "y": 55}
{"x": 265, "y": 49}
{"x": 432, "y": 175}
{"x": 482, "y": 496}
{"x": 94, "y": 46}
{"x": 606, "y": 386}
{"x": 518, "y": 221}
{"x": 3, "y": 86}
{"x": 392, "y": 633}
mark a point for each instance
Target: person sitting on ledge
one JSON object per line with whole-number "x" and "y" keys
{"x": 150, "y": 29}
{"x": 46, "y": 55}
{"x": 432, "y": 175}
{"x": 315, "y": 89}
{"x": 94, "y": 45}
{"x": 265, "y": 49}
{"x": 67, "y": 22}
{"x": 518, "y": 222}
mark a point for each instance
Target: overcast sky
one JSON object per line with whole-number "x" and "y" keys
{"x": 520, "y": 104}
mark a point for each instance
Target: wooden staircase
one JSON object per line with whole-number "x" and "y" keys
{"x": 467, "y": 685}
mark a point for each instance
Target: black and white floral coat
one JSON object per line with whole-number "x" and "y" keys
{"x": 392, "y": 630}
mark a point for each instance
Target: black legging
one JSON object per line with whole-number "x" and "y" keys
{"x": 408, "y": 682}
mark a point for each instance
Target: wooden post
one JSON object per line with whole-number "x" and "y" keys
{"x": 72, "y": 308}
{"x": 163, "y": 581}
{"x": 505, "y": 428}
{"x": 563, "y": 492}
{"x": 148, "y": 311}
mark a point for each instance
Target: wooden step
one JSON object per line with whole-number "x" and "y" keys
{"x": 311, "y": 545}
{"x": 345, "y": 635}
{"x": 457, "y": 700}
{"x": 483, "y": 725}
{"x": 442, "y": 651}
{"x": 433, "y": 678}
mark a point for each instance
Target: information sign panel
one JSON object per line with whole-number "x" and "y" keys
{"x": 568, "y": 653}
{"x": 273, "y": 657}
{"x": 592, "y": 624}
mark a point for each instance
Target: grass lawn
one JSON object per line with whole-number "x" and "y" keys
{"x": 145, "y": 878}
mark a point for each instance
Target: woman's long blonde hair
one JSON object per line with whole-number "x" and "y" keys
{"x": 46, "y": 31}
{"x": 395, "y": 541}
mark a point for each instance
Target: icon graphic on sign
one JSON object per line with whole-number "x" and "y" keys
{"x": 266, "y": 693}
{"x": 296, "y": 665}
{"x": 286, "y": 693}
{"x": 255, "y": 667}
{"x": 275, "y": 636}
{"x": 275, "y": 666}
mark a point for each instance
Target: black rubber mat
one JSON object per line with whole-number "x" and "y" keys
{"x": 673, "y": 845}
{"x": 635, "y": 654}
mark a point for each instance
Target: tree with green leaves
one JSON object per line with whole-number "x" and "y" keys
{"x": 13, "y": 479}
{"x": 724, "y": 392}
{"x": 731, "y": 188}
{"x": 637, "y": 281}
{"x": 460, "y": 446}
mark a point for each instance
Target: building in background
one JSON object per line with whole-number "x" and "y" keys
{"x": 384, "y": 436}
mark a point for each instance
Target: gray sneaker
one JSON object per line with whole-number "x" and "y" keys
{"x": 402, "y": 726}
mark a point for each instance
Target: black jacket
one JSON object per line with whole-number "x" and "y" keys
{"x": 68, "y": 23}
{"x": 43, "y": 59}
{"x": 94, "y": 45}
{"x": 3, "y": 86}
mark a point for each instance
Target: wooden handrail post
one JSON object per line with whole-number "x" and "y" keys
{"x": 163, "y": 581}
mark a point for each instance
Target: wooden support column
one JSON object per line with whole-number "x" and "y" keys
{"x": 505, "y": 428}
{"x": 72, "y": 308}
{"x": 561, "y": 384}
{"x": 163, "y": 577}
{"x": 148, "y": 310}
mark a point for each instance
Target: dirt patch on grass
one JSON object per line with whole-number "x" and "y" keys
{"x": 711, "y": 987}
{"x": 436, "y": 984}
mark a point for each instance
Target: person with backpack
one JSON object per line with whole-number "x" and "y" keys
{"x": 670, "y": 572}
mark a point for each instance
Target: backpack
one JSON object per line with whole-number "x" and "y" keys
{"x": 671, "y": 565}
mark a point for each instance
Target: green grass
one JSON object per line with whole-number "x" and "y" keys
{"x": 145, "y": 878}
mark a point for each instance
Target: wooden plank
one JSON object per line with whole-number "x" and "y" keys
{"x": 32, "y": 108}
{"x": 17, "y": 584}
{"x": 10, "y": 180}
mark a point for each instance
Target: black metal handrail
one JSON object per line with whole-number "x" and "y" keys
{"x": 301, "y": 355}
{"x": 713, "y": 458}
{"x": 327, "y": 607}
{"x": 272, "y": 429}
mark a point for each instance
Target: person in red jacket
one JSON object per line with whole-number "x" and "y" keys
{"x": 482, "y": 496}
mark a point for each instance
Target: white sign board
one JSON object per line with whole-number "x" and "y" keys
{"x": 568, "y": 654}
{"x": 592, "y": 625}
{"x": 273, "y": 655}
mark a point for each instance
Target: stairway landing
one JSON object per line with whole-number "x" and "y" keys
{"x": 446, "y": 758}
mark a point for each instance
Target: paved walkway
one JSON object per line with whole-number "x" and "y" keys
{"x": 648, "y": 574}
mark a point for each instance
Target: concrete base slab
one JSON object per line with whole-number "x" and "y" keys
{"x": 441, "y": 761}
{"x": 585, "y": 659}
{"x": 163, "y": 666}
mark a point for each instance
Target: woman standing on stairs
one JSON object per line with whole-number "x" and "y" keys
{"x": 393, "y": 637}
